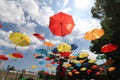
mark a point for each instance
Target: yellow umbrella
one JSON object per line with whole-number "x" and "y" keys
{"x": 19, "y": 39}
{"x": 83, "y": 55}
{"x": 83, "y": 69}
{"x": 64, "y": 48}
{"x": 33, "y": 66}
{"x": 11, "y": 55}
{"x": 94, "y": 34}
{"x": 92, "y": 61}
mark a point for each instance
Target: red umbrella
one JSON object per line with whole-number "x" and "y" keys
{"x": 109, "y": 48}
{"x": 39, "y": 36}
{"x": 3, "y": 57}
{"x": 17, "y": 55}
{"x": 61, "y": 24}
{"x": 65, "y": 54}
{"x": 0, "y": 25}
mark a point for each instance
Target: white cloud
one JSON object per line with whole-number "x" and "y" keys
{"x": 65, "y": 10}
{"x": 10, "y": 12}
{"x": 84, "y": 25}
{"x": 40, "y": 15}
{"x": 83, "y": 4}
{"x": 65, "y": 2}
{"x": 4, "y": 39}
{"x": 28, "y": 28}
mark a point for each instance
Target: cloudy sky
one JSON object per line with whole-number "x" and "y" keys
{"x": 30, "y": 16}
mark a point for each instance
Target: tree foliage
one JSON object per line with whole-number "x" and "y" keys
{"x": 108, "y": 11}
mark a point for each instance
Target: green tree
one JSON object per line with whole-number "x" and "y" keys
{"x": 108, "y": 12}
{"x": 41, "y": 74}
{"x": 11, "y": 68}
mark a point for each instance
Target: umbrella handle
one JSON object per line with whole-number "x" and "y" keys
{"x": 16, "y": 47}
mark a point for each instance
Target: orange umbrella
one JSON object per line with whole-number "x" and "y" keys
{"x": 110, "y": 69}
{"x": 94, "y": 34}
{"x": 49, "y": 44}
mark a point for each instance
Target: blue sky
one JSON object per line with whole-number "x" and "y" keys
{"x": 30, "y": 16}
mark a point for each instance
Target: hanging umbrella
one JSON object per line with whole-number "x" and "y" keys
{"x": 83, "y": 55}
{"x": 109, "y": 62}
{"x": 17, "y": 55}
{"x": 100, "y": 57}
{"x": 94, "y": 34}
{"x": 35, "y": 55}
{"x": 65, "y": 54}
{"x": 0, "y": 25}
{"x": 64, "y": 48}
{"x": 55, "y": 51}
{"x": 92, "y": 61}
{"x": 109, "y": 48}
{"x": 110, "y": 69}
{"x": 3, "y": 57}
{"x": 74, "y": 46}
{"x": 11, "y": 56}
{"x": 61, "y": 24}
{"x": 39, "y": 57}
{"x": 52, "y": 56}
{"x": 39, "y": 36}
{"x": 49, "y": 44}
{"x": 47, "y": 58}
{"x": 41, "y": 51}
{"x": 41, "y": 62}
{"x": 19, "y": 39}
{"x": 33, "y": 66}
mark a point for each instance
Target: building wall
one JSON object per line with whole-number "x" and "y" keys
{"x": 15, "y": 75}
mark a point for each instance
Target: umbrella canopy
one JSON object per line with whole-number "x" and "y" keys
{"x": 49, "y": 44}
{"x": 65, "y": 54}
{"x": 0, "y": 25}
{"x": 39, "y": 36}
{"x": 94, "y": 34}
{"x": 39, "y": 57}
{"x": 109, "y": 62}
{"x": 11, "y": 56}
{"x": 109, "y": 48}
{"x": 19, "y": 39}
{"x": 41, "y": 51}
{"x": 33, "y": 66}
{"x": 3, "y": 57}
{"x": 55, "y": 51}
{"x": 17, "y": 55}
{"x": 74, "y": 46}
{"x": 64, "y": 48}
{"x": 83, "y": 55}
{"x": 61, "y": 24}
